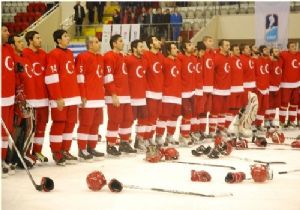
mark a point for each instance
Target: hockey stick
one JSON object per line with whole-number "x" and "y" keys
{"x": 259, "y": 161}
{"x": 47, "y": 184}
{"x": 204, "y": 164}
{"x": 179, "y": 192}
{"x": 287, "y": 172}
{"x": 267, "y": 148}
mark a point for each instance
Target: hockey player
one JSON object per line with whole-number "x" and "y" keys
{"x": 137, "y": 85}
{"x": 236, "y": 98}
{"x": 289, "y": 85}
{"x": 262, "y": 70}
{"x": 117, "y": 98}
{"x": 222, "y": 85}
{"x": 61, "y": 81}
{"x": 275, "y": 80}
{"x": 171, "y": 99}
{"x": 208, "y": 81}
{"x": 90, "y": 69}
{"x": 197, "y": 126}
{"x": 154, "y": 75}
{"x": 25, "y": 102}
{"x": 7, "y": 95}
{"x": 188, "y": 62}
{"x": 38, "y": 58}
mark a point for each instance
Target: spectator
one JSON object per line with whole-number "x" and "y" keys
{"x": 176, "y": 22}
{"x": 150, "y": 12}
{"x": 100, "y": 8}
{"x": 158, "y": 19}
{"x": 166, "y": 21}
{"x": 79, "y": 16}
{"x": 133, "y": 19}
{"x": 116, "y": 17}
{"x": 126, "y": 16}
{"x": 90, "y": 6}
{"x": 143, "y": 20}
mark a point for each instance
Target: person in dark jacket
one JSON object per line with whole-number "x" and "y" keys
{"x": 79, "y": 16}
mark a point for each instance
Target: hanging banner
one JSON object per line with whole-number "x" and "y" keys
{"x": 135, "y": 32}
{"x": 106, "y": 34}
{"x": 116, "y": 29}
{"x": 125, "y": 32}
{"x": 271, "y": 23}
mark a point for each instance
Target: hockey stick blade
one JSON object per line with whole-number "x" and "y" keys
{"x": 180, "y": 192}
{"x": 287, "y": 172}
{"x": 47, "y": 184}
{"x": 204, "y": 164}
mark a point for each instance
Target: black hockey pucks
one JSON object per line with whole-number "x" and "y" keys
{"x": 47, "y": 184}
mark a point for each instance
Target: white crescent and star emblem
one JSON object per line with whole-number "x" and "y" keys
{"x": 278, "y": 70}
{"x": 261, "y": 70}
{"x": 9, "y": 68}
{"x": 251, "y": 64}
{"x": 208, "y": 63}
{"x": 97, "y": 71}
{"x": 227, "y": 68}
{"x": 267, "y": 68}
{"x": 189, "y": 69}
{"x": 154, "y": 68}
{"x": 67, "y": 68}
{"x": 238, "y": 64}
{"x": 294, "y": 64}
{"x": 138, "y": 74}
{"x": 34, "y": 68}
{"x": 174, "y": 71}
{"x": 26, "y": 70}
{"x": 124, "y": 69}
{"x": 198, "y": 68}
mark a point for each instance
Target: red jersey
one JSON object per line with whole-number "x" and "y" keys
{"x": 290, "y": 70}
{"x": 61, "y": 77}
{"x": 222, "y": 75}
{"x": 38, "y": 60}
{"x": 199, "y": 77}
{"x": 248, "y": 71}
{"x": 116, "y": 77}
{"x": 275, "y": 74}
{"x": 208, "y": 71}
{"x": 237, "y": 74}
{"x": 187, "y": 75}
{"x": 172, "y": 81}
{"x": 25, "y": 77}
{"x": 154, "y": 74}
{"x": 8, "y": 82}
{"x": 262, "y": 74}
{"x": 90, "y": 70}
{"x": 137, "y": 79}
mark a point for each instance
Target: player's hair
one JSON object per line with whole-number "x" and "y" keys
{"x": 183, "y": 44}
{"x": 205, "y": 38}
{"x": 89, "y": 39}
{"x": 29, "y": 36}
{"x": 149, "y": 41}
{"x": 201, "y": 46}
{"x": 271, "y": 51}
{"x": 168, "y": 47}
{"x": 221, "y": 42}
{"x": 233, "y": 46}
{"x": 11, "y": 38}
{"x": 261, "y": 48}
{"x": 135, "y": 43}
{"x": 243, "y": 46}
{"x": 113, "y": 39}
{"x": 289, "y": 44}
{"x": 58, "y": 34}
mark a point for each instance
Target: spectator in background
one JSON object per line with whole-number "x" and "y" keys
{"x": 126, "y": 16}
{"x": 166, "y": 26}
{"x": 176, "y": 22}
{"x": 133, "y": 19}
{"x": 158, "y": 19}
{"x": 143, "y": 20}
{"x": 90, "y": 6}
{"x": 79, "y": 16}
{"x": 116, "y": 17}
{"x": 151, "y": 28}
{"x": 100, "y": 9}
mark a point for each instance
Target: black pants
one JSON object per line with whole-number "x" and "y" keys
{"x": 78, "y": 29}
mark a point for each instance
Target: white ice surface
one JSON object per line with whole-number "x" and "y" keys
{"x": 71, "y": 192}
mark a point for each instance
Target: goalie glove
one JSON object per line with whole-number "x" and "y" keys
{"x": 259, "y": 141}
{"x": 296, "y": 144}
{"x": 200, "y": 176}
{"x": 235, "y": 177}
{"x": 115, "y": 186}
{"x": 241, "y": 144}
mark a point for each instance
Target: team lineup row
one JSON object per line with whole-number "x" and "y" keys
{"x": 145, "y": 86}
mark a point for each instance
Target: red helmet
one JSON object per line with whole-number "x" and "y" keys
{"x": 171, "y": 153}
{"x": 95, "y": 180}
{"x": 200, "y": 176}
{"x": 277, "y": 137}
{"x": 260, "y": 173}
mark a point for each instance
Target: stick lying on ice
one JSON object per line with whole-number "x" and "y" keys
{"x": 287, "y": 172}
{"x": 258, "y": 161}
{"x": 204, "y": 164}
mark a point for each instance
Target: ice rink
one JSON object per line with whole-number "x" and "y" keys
{"x": 71, "y": 191}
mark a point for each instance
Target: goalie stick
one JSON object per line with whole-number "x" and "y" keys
{"x": 179, "y": 192}
{"x": 287, "y": 172}
{"x": 259, "y": 161}
{"x": 47, "y": 184}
